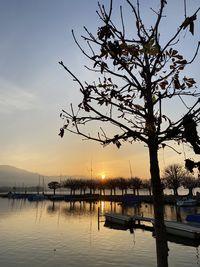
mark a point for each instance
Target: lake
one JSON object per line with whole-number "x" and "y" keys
{"x": 47, "y": 234}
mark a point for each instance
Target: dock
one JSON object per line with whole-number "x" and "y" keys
{"x": 172, "y": 227}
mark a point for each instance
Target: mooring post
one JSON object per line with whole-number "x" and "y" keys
{"x": 98, "y": 218}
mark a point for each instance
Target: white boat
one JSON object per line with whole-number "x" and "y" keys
{"x": 186, "y": 202}
{"x": 182, "y": 229}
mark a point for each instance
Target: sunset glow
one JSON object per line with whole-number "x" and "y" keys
{"x": 103, "y": 176}
{"x": 29, "y": 94}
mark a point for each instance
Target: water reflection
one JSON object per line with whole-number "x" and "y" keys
{"x": 53, "y": 208}
{"x": 66, "y": 234}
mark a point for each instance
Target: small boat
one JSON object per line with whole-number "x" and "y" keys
{"x": 186, "y": 202}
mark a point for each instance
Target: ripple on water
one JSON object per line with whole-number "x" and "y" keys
{"x": 41, "y": 236}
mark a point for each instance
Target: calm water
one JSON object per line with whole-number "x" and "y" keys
{"x": 63, "y": 234}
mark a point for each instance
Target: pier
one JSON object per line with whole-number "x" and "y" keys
{"x": 136, "y": 221}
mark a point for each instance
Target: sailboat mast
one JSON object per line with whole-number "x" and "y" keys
{"x": 130, "y": 169}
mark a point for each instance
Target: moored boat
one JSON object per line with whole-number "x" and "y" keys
{"x": 36, "y": 197}
{"x": 186, "y": 202}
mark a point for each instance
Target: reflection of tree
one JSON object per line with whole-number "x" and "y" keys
{"x": 51, "y": 209}
{"x": 113, "y": 206}
{"x": 79, "y": 208}
{"x": 178, "y": 214}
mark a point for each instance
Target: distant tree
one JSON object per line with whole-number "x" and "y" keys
{"x": 122, "y": 184}
{"x": 135, "y": 183}
{"x": 112, "y": 185}
{"x": 82, "y": 186}
{"x": 173, "y": 177}
{"x": 146, "y": 184}
{"x": 139, "y": 74}
{"x": 72, "y": 184}
{"x": 53, "y": 186}
{"x": 92, "y": 185}
{"x": 102, "y": 185}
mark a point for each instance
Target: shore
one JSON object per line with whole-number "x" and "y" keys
{"x": 168, "y": 199}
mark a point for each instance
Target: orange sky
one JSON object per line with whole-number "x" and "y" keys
{"x": 35, "y": 36}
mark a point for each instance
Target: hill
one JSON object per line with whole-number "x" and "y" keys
{"x": 12, "y": 176}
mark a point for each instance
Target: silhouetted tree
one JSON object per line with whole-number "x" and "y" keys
{"x": 135, "y": 184}
{"x": 173, "y": 177}
{"x": 139, "y": 72}
{"x": 146, "y": 184}
{"x": 112, "y": 185}
{"x": 72, "y": 184}
{"x": 53, "y": 186}
{"x": 102, "y": 185}
{"x": 82, "y": 186}
{"x": 122, "y": 184}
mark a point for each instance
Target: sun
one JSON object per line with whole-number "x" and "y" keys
{"x": 103, "y": 176}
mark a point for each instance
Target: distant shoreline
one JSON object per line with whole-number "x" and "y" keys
{"x": 168, "y": 199}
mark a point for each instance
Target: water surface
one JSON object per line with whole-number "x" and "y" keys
{"x": 47, "y": 234}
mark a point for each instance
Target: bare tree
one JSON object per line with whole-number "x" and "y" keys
{"x": 112, "y": 185}
{"x": 146, "y": 184}
{"x": 173, "y": 177}
{"x": 138, "y": 74}
{"x": 135, "y": 183}
{"x": 122, "y": 185}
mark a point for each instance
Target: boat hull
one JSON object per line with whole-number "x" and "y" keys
{"x": 186, "y": 203}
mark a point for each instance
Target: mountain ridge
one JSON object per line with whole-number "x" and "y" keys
{"x": 13, "y": 176}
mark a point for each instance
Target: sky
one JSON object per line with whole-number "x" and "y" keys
{"x": 35, "y": 36}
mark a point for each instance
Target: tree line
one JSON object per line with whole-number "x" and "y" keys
{"x": 174, "y": 176}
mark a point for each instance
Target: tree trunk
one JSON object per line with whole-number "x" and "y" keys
{"x": 176, "y": 191}
{"x": 150, "y": 191}
{"x": 190, "y": 191}
{"x": 159, "y": 226}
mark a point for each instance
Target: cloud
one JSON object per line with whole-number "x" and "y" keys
{"x": 14, "y": 98}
